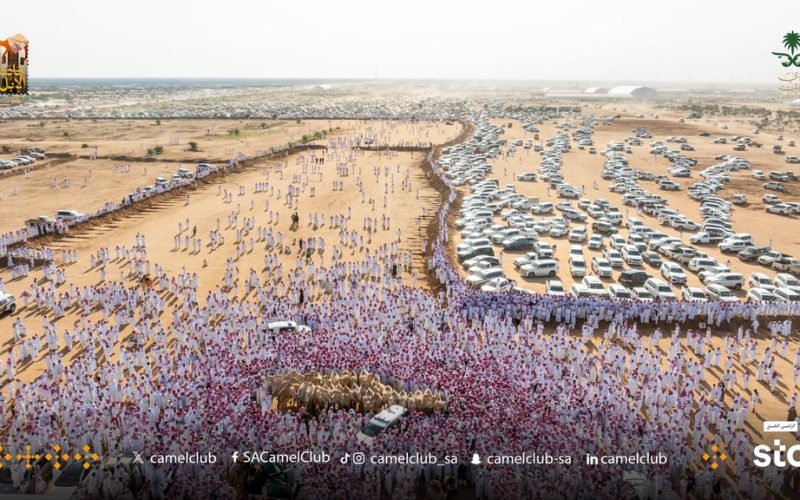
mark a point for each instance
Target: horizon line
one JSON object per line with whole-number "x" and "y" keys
{"x": 411, "y": 79}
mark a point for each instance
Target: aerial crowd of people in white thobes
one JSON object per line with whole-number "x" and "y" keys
{"x": 162, "y": 368}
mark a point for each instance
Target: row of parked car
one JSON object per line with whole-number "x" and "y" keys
{"x": 521, "y": 231}
{"x": 26, "y": 157}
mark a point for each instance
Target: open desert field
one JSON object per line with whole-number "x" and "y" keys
{"x": 83, "y": 184}
{"x": 217, "y": 140}
{"x": 377, "y": 185}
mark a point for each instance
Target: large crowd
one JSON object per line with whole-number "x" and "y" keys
{"x": 164, "y": 369}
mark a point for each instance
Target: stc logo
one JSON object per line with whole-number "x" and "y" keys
{"x": 779, "y": 455}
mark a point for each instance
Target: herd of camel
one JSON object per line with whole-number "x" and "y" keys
{"x": 363, "y": 392}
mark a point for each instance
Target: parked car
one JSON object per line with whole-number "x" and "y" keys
{"x": 554, "y": 288}
{"x": 539, "y": 268}
{"x": 544, "y": 250}
{"x": 673, "y": 273}
{"x": 485, "y": 275}
{"x": 595, "y": 242}
{"x": 594, "y": 285}
{"x": 633, "y": 277}
{"x": 652, "y": 258}
{"x": 760, "y": 280}
{"x": 775, "y": 186}
{"x": 580, "y": 291}
{"x": 518, "y": 243}
{"x": 542, "y": 208}
{"x": 601, "y": 267}
{"x": 604, "y": 227}
{"x": 491, "y": 261}
{"x": 704, "y": 237}
{"x": 733, "y": 246}
{"x": 721, "y": 293}
{"x": 726, "y": 279}
{"x": 785, "y": 280}
{"x": 631, "y": 255}
{"x": 68, "y": 215}
{"x": 8, "y": 304}
{"x": 578, "y": 234}
{"x": 693, "y": 294}
{"x": 739, "y": 199}
{"x": 577, "y": 266}
{"x": 779, "y": 209}
{"x": 761, "y": 295}
{"x": 659, "y": 289}
{"x": 618, "y": 292}
{"x": 37, "y": 221}
{"x": 499, "y": 284}
{"x": 787, "y": 294}
{"x": 787, "y": 264}
{"x": 524, "y": 259}
{"x": 642, "y": 294}
{"x": 559, "y": 231}
{"x": 614, "y": 257}
{"x": 752, "y": 253}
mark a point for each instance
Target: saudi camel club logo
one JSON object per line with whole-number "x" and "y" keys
{"x": 14, "y": 65}
{"x": 791, "y": 41}
{"x": 790, "y": 81}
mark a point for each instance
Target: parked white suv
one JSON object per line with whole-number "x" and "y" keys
{"x": 68, "y": 214}
{"x": 631, "y": 255}
{"x": 734, "y": 245}
{"x": 659, "y": 289}
{"x": 7, "y": 303}
{"x": 673, "y": 273}
{"x": 539, "y": 268}
{"x": 577, "y": 266}
{"x": 728, "y": 280}
{"x": 760, "y": 280}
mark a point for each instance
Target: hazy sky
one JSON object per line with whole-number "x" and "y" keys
{"x": 634, "y": 41}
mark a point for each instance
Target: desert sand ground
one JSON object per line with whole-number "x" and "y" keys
{"x": 407, "y": 209}
{"x": 92, "y": 183}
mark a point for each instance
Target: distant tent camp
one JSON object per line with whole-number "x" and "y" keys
{"x": 633, "y": 91}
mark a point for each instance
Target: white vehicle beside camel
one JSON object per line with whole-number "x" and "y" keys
{"x": 389, "y": 418}
{"x": 283, "y": 327}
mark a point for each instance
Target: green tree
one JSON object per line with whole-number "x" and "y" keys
{"x": 158, "y": 122}
{"x": 791, "y": 41}
{"x": 193, "y": 146}
{"x": 6, "y": 148}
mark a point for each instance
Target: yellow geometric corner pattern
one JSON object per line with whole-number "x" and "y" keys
{"x": 57, "y": 456}
{"x": 715, "y": 459}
